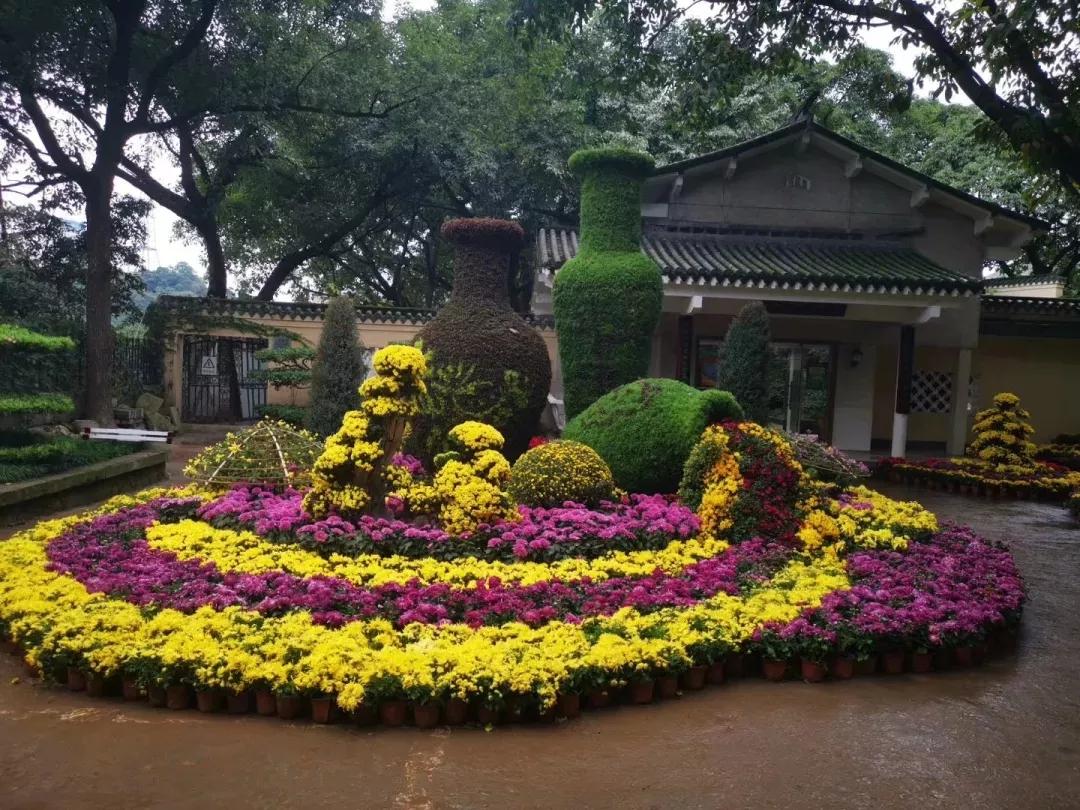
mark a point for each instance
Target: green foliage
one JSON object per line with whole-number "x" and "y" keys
{"x": 338, "y": 368}
{"x": 180, "y": 279}
{"x": 561, "y": 471}
{"x": 291, "y": 369}
{"x": 703, "y": 457}
{"x": 484, "y": 343}
{"x": 744, "y": 362}
{"x": 458, "y": 392}
{"x": 25, "y": 455}
{"x": 607, "y": 299}
{"x": 645, "y": 430}
{"x": 18, "y": 338}
{"x": 295, "y": 415}
{"x": 268, "y": 452}
{"x": 35, "y": 403}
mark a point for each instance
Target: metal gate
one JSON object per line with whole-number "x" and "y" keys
{"x": 217, "y": 383}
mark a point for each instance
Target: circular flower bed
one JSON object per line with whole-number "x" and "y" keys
{"x": 242, "y": 599}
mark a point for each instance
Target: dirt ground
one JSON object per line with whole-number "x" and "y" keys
{"x": 1006, "y": 735}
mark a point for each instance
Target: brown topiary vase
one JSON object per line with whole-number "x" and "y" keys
{"x": 478, "y": 328}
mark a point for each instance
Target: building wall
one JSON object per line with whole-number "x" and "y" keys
{"x": 1043, "y": 372}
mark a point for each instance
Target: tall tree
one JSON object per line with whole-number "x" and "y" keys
{"x": 1016, "y": 60}
{"x": 78, "y": 80}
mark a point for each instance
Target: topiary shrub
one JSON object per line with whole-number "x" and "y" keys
{"x": 268, "y": 452}
{"x": 35, "y": 370}
{"x": 607, "y": 298}
{"x": 560, "y": 471}
{"x": 1003, "y": 434}
{"x": 338, "y": 368}
{"x": 478, "y": 336}
{"x": 645, "y": 430}
{"x": 744, "y": 361}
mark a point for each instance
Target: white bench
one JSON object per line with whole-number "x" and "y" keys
{"x": 128, "y": 434}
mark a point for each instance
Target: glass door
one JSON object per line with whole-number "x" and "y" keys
{"x": 801, "y": 388}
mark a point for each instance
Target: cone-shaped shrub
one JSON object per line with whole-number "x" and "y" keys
{"x": 338, "y": 369}
{"x": 645, "y": 430}
{"x": 744, "y": 361}
{"x": 607, "y": 298}
{"x": 487, "y": 364}
{"x": 1003, "y": 434}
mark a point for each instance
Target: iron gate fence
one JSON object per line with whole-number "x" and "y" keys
{"x": 216, "y": 384}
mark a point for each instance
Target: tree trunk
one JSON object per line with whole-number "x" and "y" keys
{"x": 97, "y": 383}
{"x": 216, "y": 273}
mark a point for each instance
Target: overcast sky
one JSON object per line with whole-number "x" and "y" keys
{"x": 163, "y": 247}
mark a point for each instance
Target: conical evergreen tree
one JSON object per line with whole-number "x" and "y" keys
{"x": 744, "y": 362}
{"x": 338, "y": 369}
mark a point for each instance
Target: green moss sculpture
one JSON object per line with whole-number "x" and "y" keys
{"x": 478, "y": 334}
{"x": 646, "y": 429}
{"x": 744, "y": 363}
{"x": 561, "y": 471}
{"x": 607, "y": 298}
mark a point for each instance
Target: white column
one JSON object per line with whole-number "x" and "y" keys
{"x": 905, "y": 367}
{"x": 961, "y": 390}
{"x": 795, "y": 386}
{"x": 899, "y": 435}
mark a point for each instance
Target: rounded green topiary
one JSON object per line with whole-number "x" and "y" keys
{"x": 560, "y": 471}
{"x": 478, "y": 338}
{"x": 646, "y": 429}
{"x": 744, "y": 361}
{"x": 606, "y": 299}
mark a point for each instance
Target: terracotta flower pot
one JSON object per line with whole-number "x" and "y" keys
{"x": 129, "y": 688}
{"x": 290, "y": 707}
{"x": 716, "y": 673}
{"x": 963, "y": 656}
{"x": 922, "y": 662}
{"x": 942, "y": 658}
{"x": 695, "y": 677}
{"x": 238, "y": 702}
{"x": 365, "y": 715}
{"x": 641, "y": 692}
{"x": 393, "y": 712}
{"x": 667, "y": 687}
{"x": 773, "y": 670}
{"x": 486, "y": 716}
{"x": 456, "y": 713}
{"x": 426, "y": 715}
{"x": 734, "y": 665}
{"x": 599, "y": 699}
{"x": 265, "y": 703}
{"x": 156, "y": 697}
{"x": 978, "y": 653}
{"x": 812, "y": 671}
{"x": 96, "y": 685}
{"x": 843, "y": 667}
{"x": 209, "y": 701}
{"x": 10, "y": 647}
{"x": 568, "y": 706}
{"x": 177, "y": 697}
{"x": 866, "y": 666}
{"x": 893, "y": 662}
{"x": 76, "y": 680}
{"x": 322, "y": 710}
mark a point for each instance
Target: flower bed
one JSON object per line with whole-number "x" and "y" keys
{"x": 1042, "y": 480}
{"x": 244, "y": 595}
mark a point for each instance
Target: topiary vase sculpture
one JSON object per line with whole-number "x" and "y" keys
{"x": 645, "y": 430}
{"x": 607, "y": 298}
{"x": 487, "y": 363}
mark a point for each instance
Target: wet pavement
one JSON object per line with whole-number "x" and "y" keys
{"x": 1006, "y": 735}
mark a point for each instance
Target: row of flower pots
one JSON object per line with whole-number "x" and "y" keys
{"x": 458, "y": 712}
{"x": 986, "y": 488}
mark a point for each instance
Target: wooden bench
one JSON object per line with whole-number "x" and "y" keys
{"x": 128, "y": 434}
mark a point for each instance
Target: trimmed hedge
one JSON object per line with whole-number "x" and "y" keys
{"x": 27, "y": 455}
{"x": 607, "y": 299}
{"x": 744, "y": 361}
{"x": 337, "y": 370}
{"x": 561, "y": 471}
{"x": 35, "y": 403}
{"x": 477, "y": 336}
{"x": 645, "y": 430}
{"x": 21, "y": 338}
{"x": 33, "y": 364}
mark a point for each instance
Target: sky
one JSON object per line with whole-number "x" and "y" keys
{"x": 164, "y": 246}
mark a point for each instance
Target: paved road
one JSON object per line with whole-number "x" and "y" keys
{"x": 1005, "y": 736}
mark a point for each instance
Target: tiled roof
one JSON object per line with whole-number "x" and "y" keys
{"x": 1021, "y": 281}
{"x": 1024, "y": 305}
{"x": 304, "y": 311}
{"x": 778, "y": 264}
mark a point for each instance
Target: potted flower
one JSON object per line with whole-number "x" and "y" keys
{"x": 425, "y": 704}
{"x": 775, "y": 651}
{"x": 854, "y": 652}
{"x": 814, "y": 645}
{"x": 386, "y": 691}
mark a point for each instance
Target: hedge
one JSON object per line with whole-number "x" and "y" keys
{"x": 645, "y": 430}
{"x": 337, "y": 370}
{"x": 744, "y": 361}
{"x": 607, "y": 299}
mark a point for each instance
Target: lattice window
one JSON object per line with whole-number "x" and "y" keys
{"x": 931, "y": 392}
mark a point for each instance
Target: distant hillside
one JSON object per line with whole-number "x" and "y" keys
{"x": 180, "y": 279}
